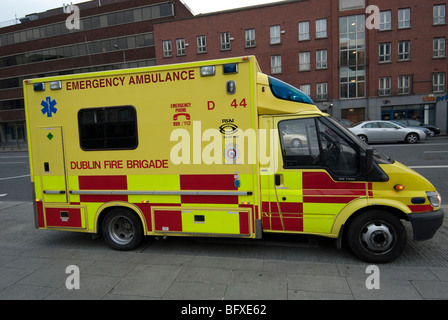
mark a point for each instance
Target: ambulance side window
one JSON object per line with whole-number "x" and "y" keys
{"x": 300, "y": 146}
{"x": 311, "y": 143}
{"x": 108, "y": 128}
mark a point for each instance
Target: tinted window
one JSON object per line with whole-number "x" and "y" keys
{"x": 314, "y": 142}
{"x": 282, "y": 90}
{"x": 111, "y": 128}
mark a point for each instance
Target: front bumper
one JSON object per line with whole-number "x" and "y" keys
{"x": 425, "y": 224}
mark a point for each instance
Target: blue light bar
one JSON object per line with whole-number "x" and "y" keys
{"x": 230, "y": 68}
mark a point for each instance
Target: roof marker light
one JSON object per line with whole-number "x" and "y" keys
{"x": 230, "y": 68}
{"x": 207, "y": 71}
{"x": 55, "y": 85}
{"x": 39, "y": 86}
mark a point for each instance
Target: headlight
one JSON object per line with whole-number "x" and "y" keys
{"x": 434, "y": 198}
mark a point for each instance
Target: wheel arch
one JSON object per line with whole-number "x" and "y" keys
{"x": 344, "y": 227}
{"x": 104, "y": 209}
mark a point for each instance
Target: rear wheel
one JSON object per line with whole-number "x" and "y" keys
{"x": 122, "y": 229}
{"x": 377, "y": 237}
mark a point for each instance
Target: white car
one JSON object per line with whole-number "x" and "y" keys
{"x": 386, "y": 131}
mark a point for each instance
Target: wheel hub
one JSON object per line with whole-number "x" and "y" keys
{"x": 377, "y": 237}
{"x": 121, "y": 230}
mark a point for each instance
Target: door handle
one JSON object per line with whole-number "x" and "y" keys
{"x": 278, "y": 179}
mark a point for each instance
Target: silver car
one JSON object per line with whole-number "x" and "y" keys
{"x": 386, "y": 131}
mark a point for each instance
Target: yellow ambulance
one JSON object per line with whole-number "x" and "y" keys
{"x": 212, "y": 149}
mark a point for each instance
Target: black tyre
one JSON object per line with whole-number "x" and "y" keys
{"x": 377, "y": 236}
{"x": 412, "y": 138}
{"x": 122, "y": 229}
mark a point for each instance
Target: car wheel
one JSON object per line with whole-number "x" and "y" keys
{"x": 411, "y": 138}
{"x": 377, "y": 236}
{"x": 363, "y": 138}
{"x": 296, "y": 143}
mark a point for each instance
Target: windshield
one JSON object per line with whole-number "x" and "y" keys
{"x": 381, "y": 157}
{"x": 282, "y": 90}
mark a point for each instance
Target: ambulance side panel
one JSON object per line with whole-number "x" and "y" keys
{"x": 171, "y": 145}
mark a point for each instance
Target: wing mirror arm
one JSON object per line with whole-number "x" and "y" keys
{"x": 368, "y": 161}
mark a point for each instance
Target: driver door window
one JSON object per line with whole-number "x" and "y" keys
{"x": 312, "y": 142}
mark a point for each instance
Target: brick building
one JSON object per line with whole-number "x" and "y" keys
{"x": 112, "y": 34}
{"x": 328, "y": 48}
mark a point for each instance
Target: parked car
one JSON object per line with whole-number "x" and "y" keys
{"x": 386, "y": 131}
{"x": 425, "y": 130}
{"x": 414, "y": 123}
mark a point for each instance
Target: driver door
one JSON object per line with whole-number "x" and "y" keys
{"x": 315, "y": 178}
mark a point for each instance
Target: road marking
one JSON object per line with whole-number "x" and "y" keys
{"x": 13, "y": 157}
{"x": 427, "y": 167}
{"x": 435, "y": 151}
{"x": 11, "y": 162}
{"x": 421, "y": 144}
{"x": 16, "y": 177}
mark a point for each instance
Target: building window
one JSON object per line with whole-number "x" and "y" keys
{"x": 321, "y": 28}
{"x": 110, "y": 128}
{"x": 352, "y": 48}
{"x": 404, "y": 85}
{"x": 322, "y": 91}
{"x": 167, "y": 50}
{"x": 304, "y": 30}
{"x": 304, "y": 61}
{"x": 438, "y": 82}
{"x": 276, "y": 64}
{"x": 180, "y": 46}
{"x": 202, "y": 44}
{"x": 275, "y": 35}
{"x": 306, "y": 88}
{"x": 225, "y": 41}
{"x": 250, "y": 38}
{"x": 404, "y": 18}
{"x": 385, "y": 54}
{"x": 321, "y": 59}
{"x": 439, "y": 14}
{"x": 404, "y": 50}
{"x": 384, "y": 86}
{"x": 439, "y": 47}
{"x": 385, "y": 20}
{"x": 351, "y": 4}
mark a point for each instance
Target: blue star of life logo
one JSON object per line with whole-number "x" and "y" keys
{"x": 48, "y": 107}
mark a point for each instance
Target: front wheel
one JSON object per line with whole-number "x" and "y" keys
{"x": 411, "y": 138}
{"x": 122, "y": 229}
{"x": 363, "y": 138}
{"x": 377, "y": 237}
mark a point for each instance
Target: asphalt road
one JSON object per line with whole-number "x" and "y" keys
{"x": 15, "y": 183}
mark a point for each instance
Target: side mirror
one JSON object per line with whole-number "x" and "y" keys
{"x": 368, "y": 161}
